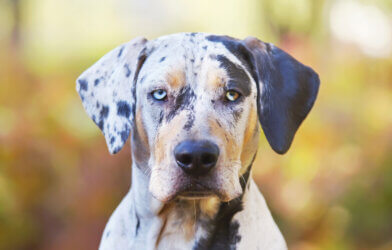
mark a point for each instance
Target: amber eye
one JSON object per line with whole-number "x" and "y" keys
{"x": 232, "y": 95}
{"x": 159, "y": 94}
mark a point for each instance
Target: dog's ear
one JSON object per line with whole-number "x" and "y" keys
{"x": 287, "y": 91}
{"x": 107, "y": 91}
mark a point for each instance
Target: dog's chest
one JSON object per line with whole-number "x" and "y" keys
{"x": 185, "y": 223}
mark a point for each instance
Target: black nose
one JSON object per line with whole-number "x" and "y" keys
{"x": 196, "y": 158}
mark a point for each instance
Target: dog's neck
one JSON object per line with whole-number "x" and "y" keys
{"x": 203, "y": 222}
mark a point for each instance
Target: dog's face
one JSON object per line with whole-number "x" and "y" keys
{"x": 193, "y": 103}
{"x": 196, "y": 114}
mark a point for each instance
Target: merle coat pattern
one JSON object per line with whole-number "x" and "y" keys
{"x": 166, "y": 208}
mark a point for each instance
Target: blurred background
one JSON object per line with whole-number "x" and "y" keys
{"x": 59, "y": 185}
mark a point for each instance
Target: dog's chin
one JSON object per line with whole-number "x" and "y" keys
{"x": 168, "y": 195}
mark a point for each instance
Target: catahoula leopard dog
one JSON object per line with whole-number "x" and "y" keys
{"x": 192, "y": 103}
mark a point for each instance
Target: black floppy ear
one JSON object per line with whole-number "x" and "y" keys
{"x": 287, "y": 91}
{"x": 106, "y": 90}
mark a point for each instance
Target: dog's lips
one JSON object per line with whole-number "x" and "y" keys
{"x": 195, "y": 195}
{"x": 194, "y": 189}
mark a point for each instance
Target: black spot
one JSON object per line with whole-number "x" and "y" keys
{"x": 127, "y": 70}
{"x": 96, "y": 81}
{"x": 107, "y": 234}
{"x": 112, "y": 140}
{"x": 189, "y": 123}
{"x": 133, "y": 109}
{"x": 183, "y": 101}
{"x": 193, "y": 34}
{"x": 124, "y": 135}
{"x": 238, "y": 78}
{"x": 137, "y": 225}
{"x": 103, "y": 114}
{"x": 205, "y": 47}
{"x": 192, "y": 60}
{"x": 238, "y": 49}
{"x": 160, "y": 117}
{"x": 162, "y": 59}
{"x": 117, "y": 149}
{"x": 123, "y": 109}
{"x": 83, "y": 84}
{"x": 121, "y": 51}
{"x": 101, "y": 124}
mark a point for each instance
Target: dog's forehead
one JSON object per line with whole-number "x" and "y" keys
{"x": 196, "y": 44}
{"x": 192, "y": 56}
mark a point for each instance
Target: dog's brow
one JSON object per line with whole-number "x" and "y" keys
{"x": 238, "y": 77}
{"x": 175, "y": 78}
{"x": 183, "y": 101}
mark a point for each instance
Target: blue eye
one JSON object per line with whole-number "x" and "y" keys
{"x": 159, "y": 94}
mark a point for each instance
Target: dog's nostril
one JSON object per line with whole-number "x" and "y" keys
{"x": 196, "y": 158}
{"x": 208, "y": 158}
{"x": 185, "y": 159}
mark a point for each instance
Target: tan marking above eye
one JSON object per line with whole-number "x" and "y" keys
{"x": 215, "y": 79}
{"x": 176, "y": 78}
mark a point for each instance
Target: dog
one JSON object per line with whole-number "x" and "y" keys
{"x": 192, "y": 104}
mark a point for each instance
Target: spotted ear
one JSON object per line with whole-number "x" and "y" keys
{"x": 287, "y": 91}
{"x": 106, "y": 90}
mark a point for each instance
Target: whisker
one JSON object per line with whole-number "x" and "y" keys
{"x": 195, "y": 224}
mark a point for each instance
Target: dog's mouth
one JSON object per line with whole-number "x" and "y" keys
{"x": 169, "y": 184}
{"x": 195, "y": 190}
{"x": 195, "y": 195}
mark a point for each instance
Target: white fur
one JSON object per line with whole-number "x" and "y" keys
{"x": 144, "y": 220}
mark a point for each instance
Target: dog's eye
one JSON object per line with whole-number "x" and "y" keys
{"x": 159, "y": 94}
{"x": 232, "y": 95}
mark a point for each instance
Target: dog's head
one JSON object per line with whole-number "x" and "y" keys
{"x": 192, "y": 103}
